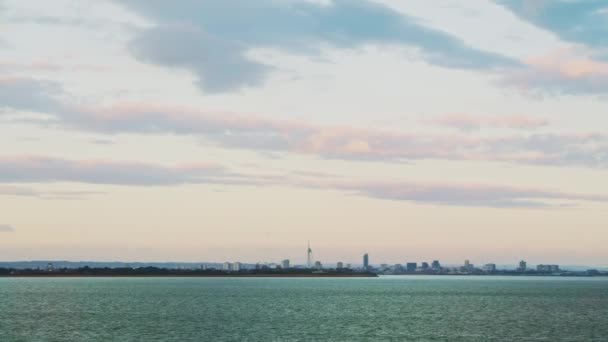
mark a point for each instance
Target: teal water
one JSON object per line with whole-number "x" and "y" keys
{"x": 292, "y": 309}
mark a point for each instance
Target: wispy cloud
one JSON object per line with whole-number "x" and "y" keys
{"x": 457, "y": 194}
{"x": 5, "y": 228}
{"x": 265, "y": 134}
{"x": 24, "y": 169}
{"x": 564, "y": 71}
{"x": 473, "y": 122}
{"x": 21, "y": 191}
{"x": 44, "y": 170}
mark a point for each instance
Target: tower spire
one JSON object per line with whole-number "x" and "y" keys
{"x": 309, "y": 260}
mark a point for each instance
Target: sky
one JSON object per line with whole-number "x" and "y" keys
{"x": 238, "y": 130}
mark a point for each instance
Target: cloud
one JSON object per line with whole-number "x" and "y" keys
{"x": 466, "y": 194}
{"x": 342, "y": 142}
{"x": 212, "y": 38}
{"x": 29, "y": 94}
{"x": 269, "y": 135}
{"x": 472, "y": 122}
{"x": 10, "y": 190}
{"x": 221, "y": 65}
{"x": 25, "y": 169}
{"x": 575, "y": 21}
{"x": 5, "y": 228}
{"x": 28, "y": 169}
{"x": 566, "y": 71}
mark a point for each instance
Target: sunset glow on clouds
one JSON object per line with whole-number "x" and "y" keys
{"x": 108, "y": 109}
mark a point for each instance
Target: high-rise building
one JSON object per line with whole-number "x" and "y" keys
{"x": 365, "y": 261}
{"x": 436, "y": 265}
{"x": 285, "y": 264}
{"x": 340, "y": 265}
{"x": 227, "y": 266}
{"x": 411, "y": 266}
{"x": 318, "y": 265}
{"x": 468, "y": 266}
{"x": 425, "y": 266}
{"x": 522, "y": 266}
{"x": 236, "y": 266}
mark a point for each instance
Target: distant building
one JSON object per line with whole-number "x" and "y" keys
{"x": 227, "y": 266}
{"x": 411, "y": 266}
{"x": 436, "y": 265}
{"x": 424, "y": 266}
{"x": 489, "y": 268}
{"x": 398, "y": 268}
{"x": 365, "y": 261}
{"x": 204, "y": 267}
{"x": 309, "y": 257}
{"x": 285, "y": 264}
{"x": 340, "y": 265}
{"x": 50, "y": 267}
{"x": 236, "y": 266}
{"x": 318, "y": 265}
{"x": 547, "y": 268}
{"x": 522, "y": 266}
{"x": 468, "y": 266}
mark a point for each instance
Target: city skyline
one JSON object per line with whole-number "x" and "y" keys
{"x": 143, "y": 130}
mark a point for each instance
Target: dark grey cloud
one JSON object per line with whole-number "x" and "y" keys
{"x": 212, "y": 38}
{"x": 5, "y": 228}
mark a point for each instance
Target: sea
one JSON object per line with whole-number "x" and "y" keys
{"x": 387, "y": 308}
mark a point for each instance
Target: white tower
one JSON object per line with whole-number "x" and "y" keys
{"x": 309, "y": 258}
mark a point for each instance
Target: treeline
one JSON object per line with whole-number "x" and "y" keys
{"x": 156, "y": 271}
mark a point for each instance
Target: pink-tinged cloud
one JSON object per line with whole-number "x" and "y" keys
{"x": 260, "y": 133}
{"x": 572, "y": 70}
{"x": 25, "y": 169}
{"x": 471, "y": 122}
{"x": 37, "y": 169}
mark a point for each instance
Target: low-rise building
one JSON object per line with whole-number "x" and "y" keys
{"x": 490, "y": 268}
{"x": 547, "y": 268}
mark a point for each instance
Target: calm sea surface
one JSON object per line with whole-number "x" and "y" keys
{"x": 292, "y": 309}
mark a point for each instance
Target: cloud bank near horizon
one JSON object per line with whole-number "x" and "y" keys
{"x": 6, "y": 228}
{"x": 36, "y": 169}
